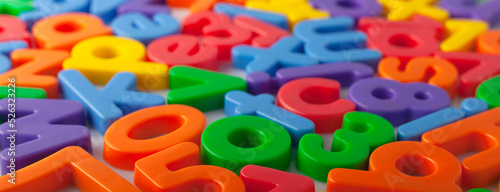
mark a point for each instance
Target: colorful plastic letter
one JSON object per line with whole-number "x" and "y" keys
{"x": 474, "y": 68}
{"x": 144, "y": 132}
{"x": 404, "y": 167}
{"x": 459, "y": 8}
{"x": 351, "y": 8}
{"x": 206, "y": 5}
{"x": 36, "y": 68}
{"x": 183, "y": 49}
{"x": 287, "y": 52}
{"x": 413, "y": 130}
{"x": 399, "y": 10}
{"x": 100, "y": 58}
{"x": 345, "y": 73}
{"x": 65, "y": 30}
{"x": 146, "y": 7}
{"x": 5, "y": 64}
{"x": 395, "y": 101}
{"x": 483, "y": 10}
{"x": 45, "y": 8}
{"x": 435, "y": 71}
{"x": 462, "y": 34}
{"x": 233, "y": 10}
{"x": 106, "y": 10}
{"x": 331, "y": 41}
{"x": 22, "y": 92}
{"x": 201, "y": 89}
{"x": 489, "y": 42}
{"x": 217, "y": 31}
{"x": 317, "y": 99}
{"x": 479, "y": 190}
{"x": 241, "y": 103}
{"x": 264, "y": 34}
{"x": 14, "y": 7}
{"x": 178, "y": 168}
{"x": 41, "y": 127}
{"x": 7, "y": 47}
{"x": 489, "y": 91}
{"x": 70, "y": 165}
{"x": 478, "y": 133}
{"x": 141, "y": 28}
{"x": 296, "y": 10}
{"x": 257, "y": 179}
{"x": 180, "y": 3}
{"x": 13, "y": 29}
{"x": 56, "y": 6}
{"x": 103, "y": 107}
{"x": 234, "y": 142}
{"x": 488, "y": 12}
{"x": 472, "y": 106}
{"x": 361, "y": 133}
{"x": 402, "y": 39}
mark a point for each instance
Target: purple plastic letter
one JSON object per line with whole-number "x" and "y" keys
{"x": 397, "y": 102}
{"x": 41, "y": 127}
{"x": 345, "y": 73}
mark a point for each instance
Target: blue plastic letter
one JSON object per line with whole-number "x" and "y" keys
{"x": 242, "y": 103}
{"x": 287, "y": 52}
{"x": 118, "y": 98}
{"x": 140, "y": 27}
{"x": 333, "y": 40}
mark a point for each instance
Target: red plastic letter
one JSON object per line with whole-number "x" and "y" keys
{"x": 474, "y": 68}
{"x": 316, "y": 99}
{"x": 265, "y": 34}
{"x": 402, "y": 39}
{"x": 183, "y": 50}
{"x": 12, "y": 29}
{"x": 257, "y": 179}
{"x": 218, "y": 31}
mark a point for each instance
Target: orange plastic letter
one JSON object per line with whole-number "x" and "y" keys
{"x": 178, "y": 169}
{"x": 480, "y": 132}
{"x": 65, "y": 30}
{"x": 438, "y": 72}
{"x": 133, "y": 136}
{"x": 71, "y": 165}
{"x": 36, "y": 69}
{"x": 392, "y": 166}
{"x": 489, "y": 42}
